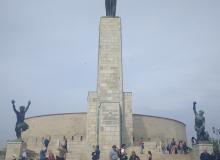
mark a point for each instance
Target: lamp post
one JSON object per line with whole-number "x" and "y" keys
{"x": 216, "y": 131}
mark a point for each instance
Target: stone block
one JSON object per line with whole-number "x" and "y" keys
{"x": 14, "y": 149}
{"x": 109, "y": 124}
{"x": 199, "y": 148}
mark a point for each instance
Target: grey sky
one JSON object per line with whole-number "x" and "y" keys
{"x": 171, "y": 55}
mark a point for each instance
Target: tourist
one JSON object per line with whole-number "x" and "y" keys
{"x": 113, "y": 154}
{"x": 173, "y": 147}
{"x": 194, "y": 141}
{"x": 163, "y": 147}
{"x": 141, "y": 146}
{"x": 134, "y": 156}
{"x": 24, "y": 155}
{"x": 43, "y": 152}
{"x": 122, "y": 153}
{"x": 149, "y": 155}
{"x": 51, "y": 156}
{"x": 96, "y": 153}
{"x": 185, "y": 148}
{"x": 169, "y": 148}
{"x": 205, "y": 155}
{"x": 62, "y": 152}
{"x": 93, "y": 152}
{"x": 46, "y": 141}
{"x": 180, "y": 148}
{"x": 65, "y": 143}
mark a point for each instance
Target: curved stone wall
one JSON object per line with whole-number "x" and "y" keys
{"x": 73, "y": 127}
{"x": 56, "y": 126}
{"x": 152, "y": 128}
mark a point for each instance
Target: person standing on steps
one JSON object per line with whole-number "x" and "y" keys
{"x": 96, "y": 153}
{"x": 134, "y": 156}
{"x": 113, "y": 154}
{"x": 150, "y": 157}
{"x": 122, "y": 154}
{"x": 141, "y": 146}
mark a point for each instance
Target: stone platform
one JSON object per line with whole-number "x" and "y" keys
{"x": 14, "y": 149}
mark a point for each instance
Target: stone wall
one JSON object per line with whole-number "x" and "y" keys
{"x": 73, "y": 127}
{"x": 152, "y": 128}
{"x": 93, "y": 111}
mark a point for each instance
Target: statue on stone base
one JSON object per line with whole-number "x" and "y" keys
{"x": 20, "y": 124}
{"x": 202, "y": 135}
{"x": 110, "y": 6}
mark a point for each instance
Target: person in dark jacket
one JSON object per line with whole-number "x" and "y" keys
{"x": 205, "y": 155}
{"x": 43, "y": 153}
{"x": 96, "y": 153}
{"x": 134, "y": 156}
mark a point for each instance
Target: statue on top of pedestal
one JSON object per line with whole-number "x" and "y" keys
{"x": 202, "y": 135}
{"x": 20, "y": 124}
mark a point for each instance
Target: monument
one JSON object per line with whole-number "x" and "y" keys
{"x": 20, "y": 126}
{"x": 109, "y": 119}
{"x": 203, "y": 142}
{"x": 16, "y": 147}
{"x": 114, "y": 120}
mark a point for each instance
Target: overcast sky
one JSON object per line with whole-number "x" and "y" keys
{"x": 49, "y": 52}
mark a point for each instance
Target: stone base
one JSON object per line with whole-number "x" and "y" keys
{"x": 199, "y": 148}
{"x": 14, "y": 149}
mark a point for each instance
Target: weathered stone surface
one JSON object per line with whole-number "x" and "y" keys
{"x": 109, "y": 104}
{"x": 128, "y": 119}
{"x": 148, "y": 127}
{"x": 110, "y": 61}
{"x": 199, "y": 148}
{"x": 14, "y": 149}
{"x": 152, "y": 128}
{"x": 109, "y": 127}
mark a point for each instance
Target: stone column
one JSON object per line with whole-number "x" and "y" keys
{"x": 109, "y": 108}
{"x": 109, "y": 85}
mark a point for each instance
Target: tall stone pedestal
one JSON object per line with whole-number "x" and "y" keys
{"x": 109, "y": 117}
{"x": 199, "y": 148}
{"x": 14, "y": 149}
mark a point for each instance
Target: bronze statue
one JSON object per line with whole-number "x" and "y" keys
{"x": 20, "y": 124}
{"x": 110, "y": 6}
{"x": 202, "y": 135}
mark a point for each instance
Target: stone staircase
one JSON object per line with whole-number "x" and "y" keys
{"x": 31, "y": 155}
{"x": 76, "y": 151}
